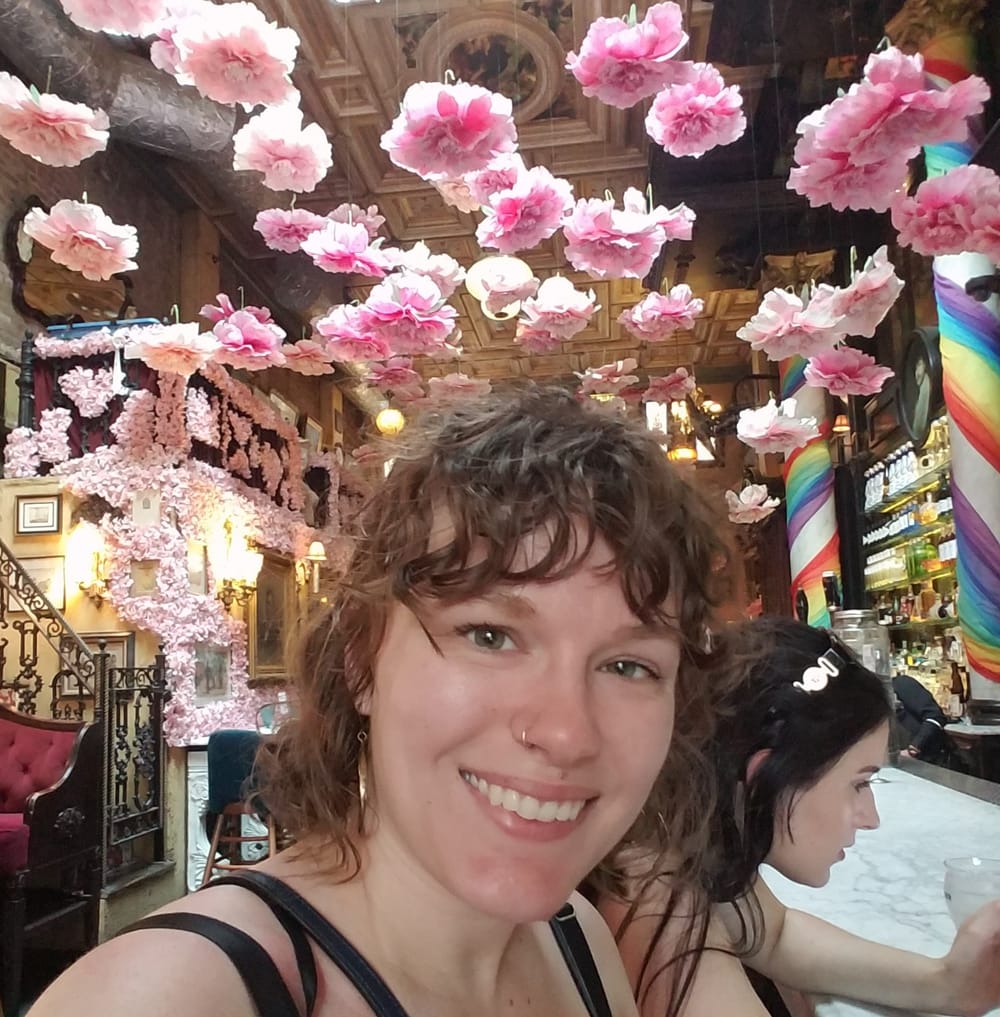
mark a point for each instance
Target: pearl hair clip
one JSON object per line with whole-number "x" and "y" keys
{"x": 816, "y": 678}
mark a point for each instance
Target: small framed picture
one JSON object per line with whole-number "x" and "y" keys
{"x": 211, "y": 673}
{"x": 146, "y": 508}
{"x": 144, "y": 577}
{"x": 197, "y": 562}
{"x": 286, "y": 410}
{"x": 38, "y": 514}
{"x": 312, "y": 431}
{"x": 120, "y": 648}
{"x": 49, "y": 575}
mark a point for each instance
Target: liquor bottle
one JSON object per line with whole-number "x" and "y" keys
{"x": 957, "y": 694}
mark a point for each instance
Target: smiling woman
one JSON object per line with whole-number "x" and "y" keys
{"x": 485, "y": 711}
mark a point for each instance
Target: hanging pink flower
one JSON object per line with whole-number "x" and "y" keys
{"x": 348, "y": 338}
{"x": 285, "y": 229}
{"x": 501, "y": 175}
{"x": 225, "y": 309}
{"x": 751, "y": 505}
{"x": 90, "y": 390}
{"x": 446, "y": 272}
{"x": 116, "y": 17}
{"x": 621, "y": 63}
{"x": 412, "y": 394}
{"x": 307, "y": 357}
{"x": 342, "y": 247}
{"x": 396, "y": 373}
{"x": 676, "y": 385}
{"x": 610, "y": 243}
{"x": 232, "y": 54}
{"x": 536, "y": 340}
{"x": 83, "y": 238}
{"x": 163, "y": 52}
{"x": 828, "y": 177}
{"x": 247, "y": 342}
{"x": 504, "y": 284}
{"x": 274, "y": 142}
{"x": 864, "y": 303}
{"x": 938, "y": 219}
{"x": 783, "y": 327}
{"x": 174, "y": 349}
{"x": 846, "y": 372}
{"x": 774, "y": 428}
{"x": 453, "y": 387}
{"x": 696, "y": 116}
{"x": 48, "y": 129}
{"x": 526, "y": 213}
{"x": 609, "y": 378}
{"x": 658, "y": 316}
{"x": 455, "y": 192}
{"x": 368, "y": 217}
{"x": 985, "y": 236}
{"x": 409, "y": 314}
{"x": 445, "y": 131}
{"x": 559, "y": 308}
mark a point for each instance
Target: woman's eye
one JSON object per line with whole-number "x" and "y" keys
{"x": 486, "y": 637}
{"x": 631, "y": 669}
{"x": 864, "y": 784}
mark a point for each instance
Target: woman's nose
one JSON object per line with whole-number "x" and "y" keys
{"x": 561, "y": 718}
{"x": 869, "y": 818}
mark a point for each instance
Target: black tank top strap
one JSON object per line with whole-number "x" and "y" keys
{"x": 260, "y": 975}
{"x": 576, "y": 952}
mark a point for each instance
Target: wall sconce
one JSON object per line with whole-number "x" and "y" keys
{"x": 86, "y": 546}
{"x": 841, "y": 424}
{"x": 309, "y": 568}
{"x": 238, "y": 571}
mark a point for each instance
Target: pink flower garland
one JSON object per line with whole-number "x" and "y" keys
{"x": 90, "y": 390}
{"x": 20, "y": 454}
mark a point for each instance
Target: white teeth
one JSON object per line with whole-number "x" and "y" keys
{"x": 526, "y": 806}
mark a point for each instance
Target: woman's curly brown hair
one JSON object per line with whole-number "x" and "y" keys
{"x": 500, "y": 467}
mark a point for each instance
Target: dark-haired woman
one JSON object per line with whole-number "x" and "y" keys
{"x": 795, "y": 751}
{"x": 484, "y": 713}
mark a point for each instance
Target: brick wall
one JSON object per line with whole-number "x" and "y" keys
{"x": 125, "y": 187}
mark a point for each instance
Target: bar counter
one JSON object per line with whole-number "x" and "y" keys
{"x": 890, "y": 886}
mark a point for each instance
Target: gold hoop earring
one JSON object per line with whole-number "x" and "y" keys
{"x": 362, "y": 777}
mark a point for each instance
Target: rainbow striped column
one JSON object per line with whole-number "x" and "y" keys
{"x": 813, "y": 542}
{"x": 970, "y": 355}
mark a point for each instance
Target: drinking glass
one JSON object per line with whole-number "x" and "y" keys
{"x": 968, "y": 884}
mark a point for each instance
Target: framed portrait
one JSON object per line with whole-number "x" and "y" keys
{"x": 211, "y": 673}
{"x": 146, "y": 508}
{"x": 49, "y": 575}
{"x": 144, "y": 577}
{"x": 38, "y": 514}
{"x": 120, "y": 648}
{"x": 272, "y": 618}
{"x": 882, "y": 418}
{"x": 197, "y": 563}
{"x": 9, "y": 394}
{"x": 920, "y": 385}
{"x": 312, "y": 431}
{"x": 288, "y": 412}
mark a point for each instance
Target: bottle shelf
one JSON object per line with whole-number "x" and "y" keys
{"x": 944, "y": 522}
{"x": 897, "y": 584}
{"x": 942, "y": 623}
{"x": 919, "y": 485}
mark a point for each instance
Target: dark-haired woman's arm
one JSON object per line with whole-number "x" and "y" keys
{"x": 812, "y": 955}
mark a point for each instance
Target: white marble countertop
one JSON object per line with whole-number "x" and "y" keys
{"x": 889, "y": 888}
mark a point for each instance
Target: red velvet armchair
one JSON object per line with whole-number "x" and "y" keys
{"x": 50, "y": 833}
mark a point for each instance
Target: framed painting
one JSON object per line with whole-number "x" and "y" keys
{"x": 120, "y": 648}
{"x": 211, "y": 673}
{"x": 38, "y": 514}
{"x": 312, "y": 432}
{"x": 287, "y": 411}
{"x": 272, "y": 618}
{"x": 143, "y": 574}
{"x": 49, "y": 575}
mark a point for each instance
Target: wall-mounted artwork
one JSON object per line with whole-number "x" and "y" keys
{"x": 272, "y": 618}
{"x": 38, "y": 514}
{"x": 211, "y": 673}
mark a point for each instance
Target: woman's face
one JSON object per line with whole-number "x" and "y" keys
{"x": 825, "y": 818}
{"x": 509, "y": 828}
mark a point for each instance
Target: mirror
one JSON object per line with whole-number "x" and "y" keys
{"x": 52, "y": 294}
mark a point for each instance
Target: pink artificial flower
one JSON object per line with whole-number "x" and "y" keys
{"x": 90, "y": 390}
{"x": 775, "y": 428}
{"x": 846, "y": 372}
{"x": 455, "y": 192}
{"x": 676, "y": 385}
{"x": 609, "y": 378}
{"x": 536, "y": 340}
{"x": 782, "y": 327}
{"x": 693, "y": 117}
{"x": 608, "y": 243}
{"x": 20, "y": 454}
{"x": 938, "y": 218}
{"x": 83, "y": 238}
{"x": 368, "y": 217}
{"x": 395, "y": 374}
{"x": 446, "y": 131}
{"x": 751, "y": 505}
{"x": 527, "y": 213}
{"x": 348, "y": 338}
{"x": 274, "y": 142}
{"x": 985, "y": 237}
{"x": 411, "y": 394}
{"x": 834, "y": 178}
{"x": 307, "y": 357}
{"x": 864, "y": 303}
{"x": 409, "y": 314}
{"x": 621, "y": 63}
{"x": 48, "y": 129}
{"x": 225, "y": 309}
{"x": 116, "y": 17}
{"x": 456, "y": 386}
{"x": 247, "y": 342}
{"x": 446, "y": 272}
{"x": 163, "y": 51}
{"x": 559, "y": 308}
{"x": 501, "y": 175}
{"x": 53, "y": 435}
{"x": 285, "y": 229}
{"x": 658, "y": 316}
{"x": 174, "y": 349}
{"x": 342, "y": 247}
{"x": 231, "y": 53}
